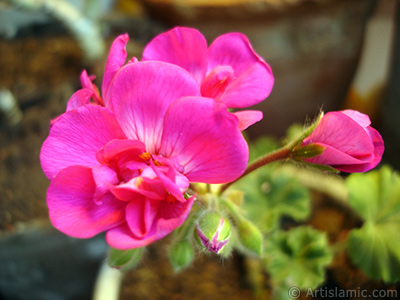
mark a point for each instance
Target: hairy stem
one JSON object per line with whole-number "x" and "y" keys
{"x": 280, "y": 154}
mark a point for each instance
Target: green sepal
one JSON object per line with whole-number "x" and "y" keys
{"x": 293, "y": 144}
{"x": 124, "y": 260}
{"x": 315, "y": 167}
{"x": 308, "y": 151}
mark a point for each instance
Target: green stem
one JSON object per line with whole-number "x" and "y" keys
{"x": 282, "y": 153}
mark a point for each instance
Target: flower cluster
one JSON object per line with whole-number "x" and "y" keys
{"x": 122, "y": 162}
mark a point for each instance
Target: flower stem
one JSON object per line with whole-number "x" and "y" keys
{"x": 282, "y": 153}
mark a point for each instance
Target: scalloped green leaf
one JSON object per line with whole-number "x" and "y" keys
{"x": 375, "y": 247}
{"x": 298, "y": 257}
{"x": 270, "y": 194}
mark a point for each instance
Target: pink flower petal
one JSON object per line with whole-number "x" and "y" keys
{"x": 72, "y": 208}
{"x": 76, "y": 137}
{"x": 87, "y": 83}
{"x": 247, "y": 118}
{"x": 170, "y": 217}
{"x": 169, "y": 183}
{"x": 185, "y": 47}
{"x": 103, "y": 177}
{"x": 79, "y": 98}
{"x": 123, "y": 156}
{"x": 360, "y": 118}
{"x": 343, "y": 133}
{"x": 216, "y": 82}
{"x": 140, "y": 216}
{"x": 342, "y": 161}
{"x": 142, "y": 93}
{"x": 137, "y": 188}
{"x": 253, "y": 76}
{"x": 116, "y": 59}
{"x": 351, "y": 145}
{"x": 207, "y": 141}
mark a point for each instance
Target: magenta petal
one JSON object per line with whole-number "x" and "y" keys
{"x": 120, "y": 151}
{"x": 76, "y": 137}
{"x": 79, "y": 98}
{"x": 216, "y": 82}
{"x": 72, "y": 208}
{"x": 343, "y": 133}
{"x": 361, "y": 119}
{"x": 168, "y": 219}
{"x": 332, "y": 156}
{"x": 116, "y": 59}
{"x": 103, "y": 177}
{"x": 248, "y": 117}
{"x": 169, "y": 184}
{"x": 379, "y": 147}
{"x": 143, "y": 92}
{"x": 137, "y": 188}
{"x": 253, "y": 76}
{"x": 140, "y": 215}
{"x": 342, "y": 161}
{"x": 87, "y": 83}
{"x": 185, "y": 47}
{"x": 206, "y": 139}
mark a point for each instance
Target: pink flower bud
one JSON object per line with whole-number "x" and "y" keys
{"x": 213, "y": 232}
{"x": 351, "y": 145}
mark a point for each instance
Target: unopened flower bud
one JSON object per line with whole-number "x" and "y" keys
{"x": 213, "y": 232}
{"x": 181, "y": 254}
{"x": 250, "y": 236}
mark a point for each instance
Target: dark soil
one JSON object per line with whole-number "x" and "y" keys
{"x": 42, "y": 73}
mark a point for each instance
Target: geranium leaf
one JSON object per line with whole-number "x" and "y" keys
{"x": 298, "y": 257}
{"x": 270, "y": 194}
{"x": 375, "y": 247}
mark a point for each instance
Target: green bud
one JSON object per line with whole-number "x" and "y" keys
{"x": 250, "y": 236}
{"x": 213, "y": 233}
{"x": 181, "y": 254}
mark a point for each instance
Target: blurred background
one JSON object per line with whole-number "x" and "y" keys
{"x": 325, "y": 54}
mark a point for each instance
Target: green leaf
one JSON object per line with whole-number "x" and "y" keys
{"x": 124, "y": 259}
{"x": 298, "y": 257}
{"x": 270, "y": 194}
{"x": 375, "y": 247}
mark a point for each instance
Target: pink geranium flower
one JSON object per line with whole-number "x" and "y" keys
{"x": 125, "y": 167}
{"x": 350, "y": 144}
{"x": 229, "y": 71}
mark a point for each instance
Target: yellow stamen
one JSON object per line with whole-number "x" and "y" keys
{"x": 145, "y": 156}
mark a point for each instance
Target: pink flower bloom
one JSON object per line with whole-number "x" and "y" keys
{"x": 351, "y": 145}
{"x": 124, "y": 167}
{"x": 229, "y": 71}
{"x": 239, "y": 78}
